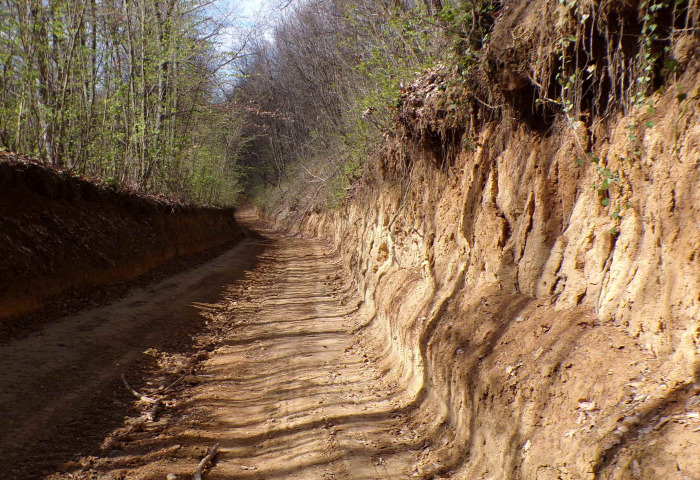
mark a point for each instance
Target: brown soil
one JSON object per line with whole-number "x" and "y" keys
{"x": 554, "y": 335}
{"x": 95, "y": 296}
{"x": 277, "y": 378}
{"x": 60, "y": 233}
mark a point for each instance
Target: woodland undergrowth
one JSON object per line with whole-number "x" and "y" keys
{"x": 342, "y": 83}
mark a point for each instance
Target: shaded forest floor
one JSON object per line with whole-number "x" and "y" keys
{"x": 259, "y": 343}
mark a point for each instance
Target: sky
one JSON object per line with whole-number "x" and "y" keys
{"x": 247, "y": 17}
{"x": 248, "y": 14}
{"x": 249, "y": 8}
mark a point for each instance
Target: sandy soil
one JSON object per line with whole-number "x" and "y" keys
{"x": 274, "y": 376}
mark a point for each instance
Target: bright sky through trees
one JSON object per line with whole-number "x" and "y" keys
{"x": 249, "y": 8}
{"x": 256, "y": 15}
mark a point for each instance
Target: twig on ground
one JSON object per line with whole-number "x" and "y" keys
{"x": 206, "y": 460}
{"x": 138, "y": 395}
{"x": 175, "y": 382}
{"x": 152, "y": 413}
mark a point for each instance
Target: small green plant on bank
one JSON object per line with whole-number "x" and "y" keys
{"x": 685, "y": 101}
{"x": 649, "y": 54}
{"x": 467, "y": 25}
{"x": 579, "y": 71}
{"x": 607, "y": 180}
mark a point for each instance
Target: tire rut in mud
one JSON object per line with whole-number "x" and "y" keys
{"x": 60, "y": 390}
{"x": 276, "y": 377}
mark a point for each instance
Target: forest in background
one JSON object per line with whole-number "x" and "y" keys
{"x": 332, "y": 88}
{"x": 125, "y": 90}
{"x": 146, "y": 95}
{"x": 326, "y": 86}
{"x": 141, "y": 94}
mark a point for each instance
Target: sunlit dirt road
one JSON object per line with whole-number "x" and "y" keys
{"x": 260, "y": 344}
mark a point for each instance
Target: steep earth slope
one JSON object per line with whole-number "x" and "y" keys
{"x": 60, "y": 233}
{"x": 553, "y": 327}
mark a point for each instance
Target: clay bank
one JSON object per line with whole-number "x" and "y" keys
{"x": 535, "y": 278}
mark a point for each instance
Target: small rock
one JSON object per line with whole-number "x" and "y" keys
{"x": 662, "y": 421}
{"x": 191, "y": 379}
{"x": 68, "y": 466}
{"x": 586, "y": 406}
{"x": 631, "y": 420}
{"x": 693, "y": 401}
{"x": 636, "y": 470}
{"x": 171, "y": 476}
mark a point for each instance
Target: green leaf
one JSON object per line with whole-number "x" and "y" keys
{"x": 579, "y": 161}
{"x": 671, "y": 65}
{"x": 605, "y": 202}
{"x": 650, "y": 124}
{"x": 616, "y": 215}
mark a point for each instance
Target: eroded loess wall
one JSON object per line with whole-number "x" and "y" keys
{"x": 59, "y": 234}
{"x": 542, "y": 337}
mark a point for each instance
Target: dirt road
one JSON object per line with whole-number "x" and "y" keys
{"x": 276, "y": 378}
